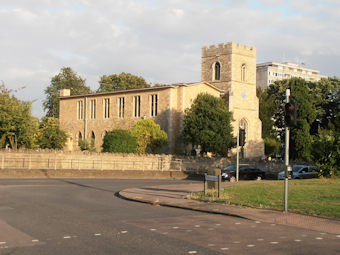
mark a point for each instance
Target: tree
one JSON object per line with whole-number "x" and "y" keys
{"x": 17, "y": 125}
{"x": 66, "y": 79}
{"x": 149, "y": 135}
{"x": 119, "y": 140}
{"x": 207, "y": 124}
{"x": 268, "y": 107}
{"x": 301, "y": 94}
{"x": 50, "y": 135}
{"x": 121, "y": 81}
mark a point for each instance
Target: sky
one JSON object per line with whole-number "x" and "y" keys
{"x": 160, "y": 40}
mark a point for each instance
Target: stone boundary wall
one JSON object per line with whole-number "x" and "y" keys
{"x": 86, "y": 161}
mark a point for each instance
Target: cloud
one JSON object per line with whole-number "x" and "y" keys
{"x": 160, "y": 40}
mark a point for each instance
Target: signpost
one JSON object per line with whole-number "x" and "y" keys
{"x": 212, "y": 178}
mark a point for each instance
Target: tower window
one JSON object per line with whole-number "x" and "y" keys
{"x": 244, "y": 72}
{"x": 217, "y": 71}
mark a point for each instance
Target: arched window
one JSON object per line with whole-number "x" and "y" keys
{"x": 80, "y": 137}
{"x": 93, "y": 136}
{"x": 244, "y": 72}
{"x": 217, "y": 68}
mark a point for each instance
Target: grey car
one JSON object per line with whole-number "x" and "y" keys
{"x": 301, "y": 172}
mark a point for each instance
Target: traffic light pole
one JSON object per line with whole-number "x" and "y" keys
{"x": 237, "y": 155}
{"x": 286, "y": 158}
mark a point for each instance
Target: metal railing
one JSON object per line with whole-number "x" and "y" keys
{"x": 31, "y": 162}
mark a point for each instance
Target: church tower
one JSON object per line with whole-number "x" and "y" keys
{"x": 231, "y": 67}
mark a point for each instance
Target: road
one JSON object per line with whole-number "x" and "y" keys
{"x": 84, "y": 216}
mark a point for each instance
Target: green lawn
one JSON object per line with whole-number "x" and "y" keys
{"x": 314, "y": 197}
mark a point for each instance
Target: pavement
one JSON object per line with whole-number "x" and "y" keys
{"x": 174, "y": 196}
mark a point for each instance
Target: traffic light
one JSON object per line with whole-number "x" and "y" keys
{"x": 290, "y": 114}
{"x": 242, "y": 137}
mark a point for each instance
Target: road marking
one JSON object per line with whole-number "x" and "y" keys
{"x": 192, "y": 252}
{"x": 211, "y": 244}
{"x": 251, "y": 245}
{"x": 189, "y": 230}
{"x": 175, "y": 227}
{"x": 35, "y": 240}
{"x": 322, "y": 233}
{"x": 318, "y": 238}
{"x": 337, "y": 235}
{"x": 123, "y": 232}
{"x": 260, "y": 239}
{"x": 224, "y": 249}
{"x": 297, "y": 240}
{"x": 152, "y": 229}
{"x": 238, "y": 223}
{"x": 67, "y": 237}
{"x": 218, "y": 224}
{"x": 197, "y": 226}
{"x": 97, "y": 234}
{"x": 257, "y": 222}
{"x": 274, "y": 242}
{"x": 2, "y": 243}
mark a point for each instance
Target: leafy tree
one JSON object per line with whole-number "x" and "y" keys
{"x": 66, "y": 79}
{"x": 50, "y": 135}
{"x": 326, "y": 151}
{"x": 17, "y": 125}
{"x": 149, "y": 135}
{"x": 326, "y": 98}
{"x": 268, "y": 107}
{"x": 121, "y": 81}
{"x": 207, "y": 123}
{"x": 119, "y": 141}
{"x": 301, "y": 94}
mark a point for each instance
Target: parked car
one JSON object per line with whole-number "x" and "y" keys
{"x": 246, "y": 172}
{"x": 301, "y": 172}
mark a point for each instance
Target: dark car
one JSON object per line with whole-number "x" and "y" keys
{"x": 246, "y": 172}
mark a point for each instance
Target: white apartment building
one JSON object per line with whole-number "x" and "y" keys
{"x": 267, "y": 73}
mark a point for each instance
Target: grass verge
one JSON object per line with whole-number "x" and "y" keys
{"x": 315, "y": 197}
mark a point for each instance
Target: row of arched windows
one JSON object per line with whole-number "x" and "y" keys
{"x": 217, "y": 72}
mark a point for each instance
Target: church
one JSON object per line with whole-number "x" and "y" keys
{"x": 228, "y": 71}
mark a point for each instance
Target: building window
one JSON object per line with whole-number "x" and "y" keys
{"x": 107, "y": 108}
{"x": 244, "y": 72}
{"x": 93, "y": 138}
{"x": 136, "y": 106}
{"x": 154, "y": 105}
{"x": 80, "y": 110}
{"x": 121, "y": 107}
{"x": 93, "y": 108}
{"x": 217, "y": 76}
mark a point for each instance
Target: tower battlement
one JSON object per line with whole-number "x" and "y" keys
{"x": 228, "y": 48}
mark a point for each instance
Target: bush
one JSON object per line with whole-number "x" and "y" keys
{"x": 271, "y": 145}
{"x": 149, "y": 135}
{"x": 119, "y": 141}
{"x": 87, "y": 145}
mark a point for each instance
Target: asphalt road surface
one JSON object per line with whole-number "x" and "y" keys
{"x": 83, "y": 216}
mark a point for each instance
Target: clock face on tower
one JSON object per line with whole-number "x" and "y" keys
{"x": 244, "y": 94}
